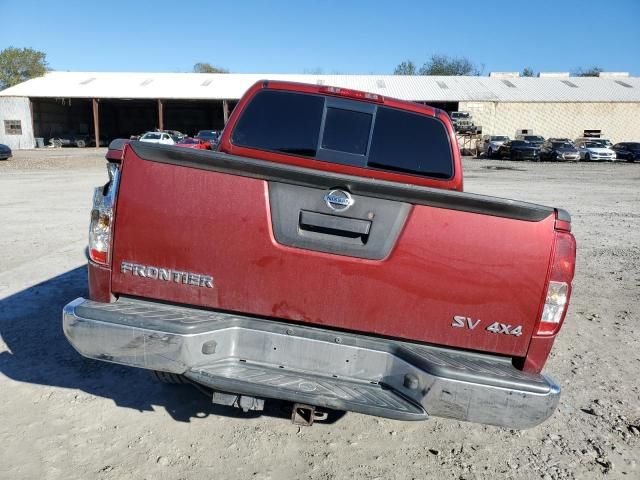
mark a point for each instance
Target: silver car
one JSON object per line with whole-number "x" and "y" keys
{"x": 490, "y": 144}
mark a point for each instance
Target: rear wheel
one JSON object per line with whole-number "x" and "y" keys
{"x": 81, "y": 144}
{"x": 587, "y": 157}
{"x": 166, "y": 377}
{"x": 490, "y": 153}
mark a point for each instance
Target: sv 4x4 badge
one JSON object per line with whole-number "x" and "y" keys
{"x": 496, "y": 327}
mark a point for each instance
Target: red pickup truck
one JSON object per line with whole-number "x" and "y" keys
{"x": 326, "y": 255}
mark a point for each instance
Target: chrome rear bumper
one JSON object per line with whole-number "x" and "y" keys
{"x": 343, "y": 371}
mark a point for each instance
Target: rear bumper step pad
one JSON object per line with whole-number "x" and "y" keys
{"x": 338, "y": 394}
{"x": 343, "y": 371}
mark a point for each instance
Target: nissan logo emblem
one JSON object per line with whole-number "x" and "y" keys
{"x": 338, "y": 200}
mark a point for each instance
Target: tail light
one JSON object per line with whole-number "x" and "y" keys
{"x": 346, "y": 92}
{"x": 559, "y": 287}
{"x": 100, "y": 227}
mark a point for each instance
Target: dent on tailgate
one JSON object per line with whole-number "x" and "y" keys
{"x": 445, "y": 263}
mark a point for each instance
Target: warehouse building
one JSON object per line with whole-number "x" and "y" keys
{"x": 111, "y": 105}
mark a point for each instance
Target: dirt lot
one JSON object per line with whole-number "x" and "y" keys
{"x": 67, "y": 417}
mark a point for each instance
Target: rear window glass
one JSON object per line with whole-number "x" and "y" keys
{"x": 346, "y": 131}
{"x": 296, "y": 123}
{"x": 281, "y": 122}
{"x": 412, "y": 143}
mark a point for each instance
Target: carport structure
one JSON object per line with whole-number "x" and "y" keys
{"x": 111, "y": 105}
{"x": 124, "y": 117}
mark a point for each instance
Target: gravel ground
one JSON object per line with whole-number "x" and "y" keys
{"x": 67, "y": 417}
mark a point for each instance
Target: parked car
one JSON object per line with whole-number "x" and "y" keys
{"x": 532, "y": 139}
{"x": 5, "y": 152}
{"x": 70, "y": 139}
{"x": 629, "y": 151}
{"x": 463, "y": 123}
{"x": 559, "y": 150}
{"x": 175, "y": 134}
{"x": 519, "y": 150}
{"x": 594, "y": 150}
{"x": 158, "y": 137}
{"x": 210, "y": 136}
{"x": 197, "y": 143}
{"x": 80, "y": 140}
{"x": 605, "y": 142}
{"x": 490, "y": 143}
{"x": 219, "y": 271}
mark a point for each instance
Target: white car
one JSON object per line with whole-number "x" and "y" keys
{"x": 604, "y": 141}
{"x": 490, "y": 143}
{"x": 158, "y": 137}
{"x": 595, "y": 151}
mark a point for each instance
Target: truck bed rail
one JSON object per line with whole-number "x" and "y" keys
{"x": 403, "y": 192}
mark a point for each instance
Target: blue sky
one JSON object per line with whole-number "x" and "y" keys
{"x": 325, "y": 36}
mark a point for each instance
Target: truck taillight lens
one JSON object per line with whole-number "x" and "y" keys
{"x": 100, "y": 235}
{"x": 559, "y": 288}
{"x": 100, "y": 228}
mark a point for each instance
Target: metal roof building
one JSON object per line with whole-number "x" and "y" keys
{"x": 231, "y": 86}
{"x": 121, "y": 104}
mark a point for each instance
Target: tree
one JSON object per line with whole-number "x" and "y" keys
{"x": 406, "y": 68}
{"x": 527, "y": 72}
{"x": 208, "y": 68}
{"x": 589, "y": 72}
{"x": 20, "y": 64}
{"x": 440, "y": 64}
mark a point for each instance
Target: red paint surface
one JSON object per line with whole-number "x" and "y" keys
{"x": 538, "y": 353}
{"x": 99, "y": 283}
{"x": 563, "y": 225}
{"x": 444, "y": 263}
{"x": 198, "y": 144}
{"x": 114, "y": 155}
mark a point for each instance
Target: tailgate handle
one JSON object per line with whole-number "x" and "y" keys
{"x": 334, "y": 225}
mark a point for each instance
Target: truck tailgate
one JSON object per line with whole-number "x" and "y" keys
{"x": 275, "y": 249}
